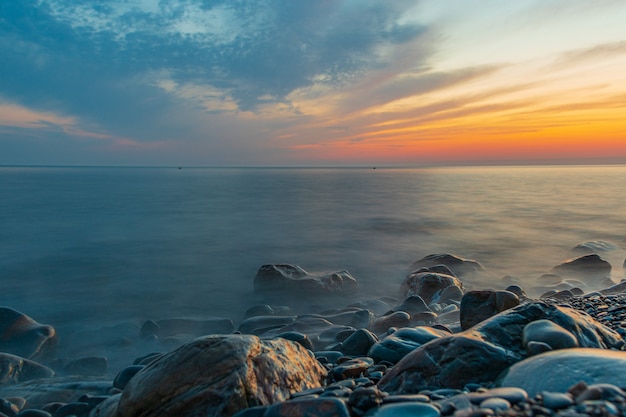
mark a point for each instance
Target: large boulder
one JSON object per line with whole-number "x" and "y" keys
{"x": 459, "y": 266}
{"x": 23, "y": 336}
{"x": 428, "y": 285}
{"x": 219, "y": 375}
{"x": 291, "y": 279}
{"x": 566, "y": 368}
{"x": 481, "y": 353}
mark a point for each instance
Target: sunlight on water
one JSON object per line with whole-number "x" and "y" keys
{"x": 111, "y": 243}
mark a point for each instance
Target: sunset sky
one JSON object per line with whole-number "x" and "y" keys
{"x": 312, "y": 82}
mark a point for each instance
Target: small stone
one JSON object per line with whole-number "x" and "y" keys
{"x": 125, "y": 375}
{"x": 359, "y": 343}
{"x": 477, "y": 306}
{"x": 495, "y": 404}
{"x": 411, "y": 409}
{"x": 556, "y": 400}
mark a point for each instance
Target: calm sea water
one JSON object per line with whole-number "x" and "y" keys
{"x": 105, "y": 244}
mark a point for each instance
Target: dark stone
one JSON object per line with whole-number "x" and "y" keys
{"x": 591, "y": 268}
{"x": 364, "y": 398}
{"x": 73, "y": 409}
{"x": 477, "y": 306}
{"x": 125, "y": 375}
{"x": 479, "y": 354}
{"x": 149, "y": 329}
{"x": 22, "y": 336}
{"x": 428, "y": 285}
{"x": 317, "y": 407}
{"x": 399, "y": 343}
{"x": 8, "y": 408}
{"x": 277, "y": 278}
{"x": 259, "y": 324}
{"x": 396, "y": 319}
{"x": 352, "y": 368}
{"x": 413, "y": 304}
{"x": 259, "y": 310}
{"x": 32, "y": 412}
{"x": 297, "y": 337}
{"x": 595, "y": 246}
{"x": 451, "y": 294}
{"x": 90, "y": 366}
{"x": 359, "y": 343}
{"x": 457, "y": 265}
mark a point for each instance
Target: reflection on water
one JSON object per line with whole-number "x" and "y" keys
{"x": 110, "y": 243}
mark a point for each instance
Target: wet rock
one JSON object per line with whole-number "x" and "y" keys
{"x": 595, "y": 246}
{"x": 545, "y": 331}
{"x": 39, "y": 392}
{"x": 107, "y": 408}
{"x": 399, "y": 343}
{"x": 477, "y": 306}
{"x": 408, "y": 409}
{"x": 317, "y": 407}
{"x": 481, "y": 353}
{"x": 22, "y": 336}
{"x": 618, "y": 288}
{"x": 459, "y": 266}
{"x": 451, "y": 294}
{"x": 125, "y": 375}
{"x": 566, "y": 368}
{"x": 273, "y": 278}
{"x": 15, "y": 369}
{"x": 259, "y": 324}
{"x": 352, "y": 368}
{"x": 428, "y": 285}
{"x": 395, "y": 319}
{"x": 412, "y": 304}
{"x": 363, "y": 399}
{"x": 297, "y": 337}
{"x": 592, "y": 269}
{"x": 359, "y": 343}
{"x": 220, "y": 375}
{"x": 88, "y": 366}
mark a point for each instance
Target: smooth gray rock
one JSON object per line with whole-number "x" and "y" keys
{"x": 399, "y": 343}
{"x": 428, "y": 285}
{"x": 359, "y": 343}
{"x": 22, "y": 336}
{"x": 558, "y": 370}
{"x": 395, "y": 319}
{"x": 459, "y": 266}
{"x": 292, "y": 279}
{"x": 407, "y": 409}
{"x": 219, "y": 375}
{"x": 550, "y": 333}
{"x": 595, "y": 246}
{"x": 481, "y": 353}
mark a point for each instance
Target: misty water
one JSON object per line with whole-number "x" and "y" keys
{"x": 80, "y": 246}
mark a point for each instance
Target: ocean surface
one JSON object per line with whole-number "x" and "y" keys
{"x": 82, "y": 245}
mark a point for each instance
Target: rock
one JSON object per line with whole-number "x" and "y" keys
{"x": 15, "y": 369}
{"x": 592, "y": 269}
{"x": 39, "y": 392}
{"x": 477, "y": 306}
{"x": 88, "y": 366}
{"x": 566, "y": 368}
{"x": 618, "y": 288}
{"x": 125, "y": 375}
{"x": 396, "y": 319}
{"x": 285, "y": 278}
{"x": 406, "y": 409}
{"x": 22, "y": 336}
{"x": 413, "y": 304}
{"x": 399, "y": 343}
{"x": 451, "y": 294}
{"x": 259, "y": 324}
{"x": 479, "y": 354}
{"x": 428, "y": 285}
{"x": 359, "y": 343}
{"x": 550, "y": 333}
{"x": 352, "y": 368}
{"x": 457, "y": 265}
{"x": 317, "y": 407}
{"x": 220, "y": 375}
{"x": 595, "y": 246}
{"x": 107, "y": 408}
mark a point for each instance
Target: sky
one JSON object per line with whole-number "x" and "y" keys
{"x": 312, "y": 82}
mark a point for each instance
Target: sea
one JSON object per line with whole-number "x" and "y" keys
{"x": 85, "y": 245}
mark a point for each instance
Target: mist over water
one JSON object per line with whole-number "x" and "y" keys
{"x": 102, "y": 245}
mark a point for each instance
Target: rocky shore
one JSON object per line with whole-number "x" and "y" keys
{"x": 440, "y": 348}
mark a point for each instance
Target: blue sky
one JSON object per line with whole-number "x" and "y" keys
{"x": 329, "y": 82}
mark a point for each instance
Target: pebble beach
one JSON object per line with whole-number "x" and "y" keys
{"x": 441, "y": 348}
